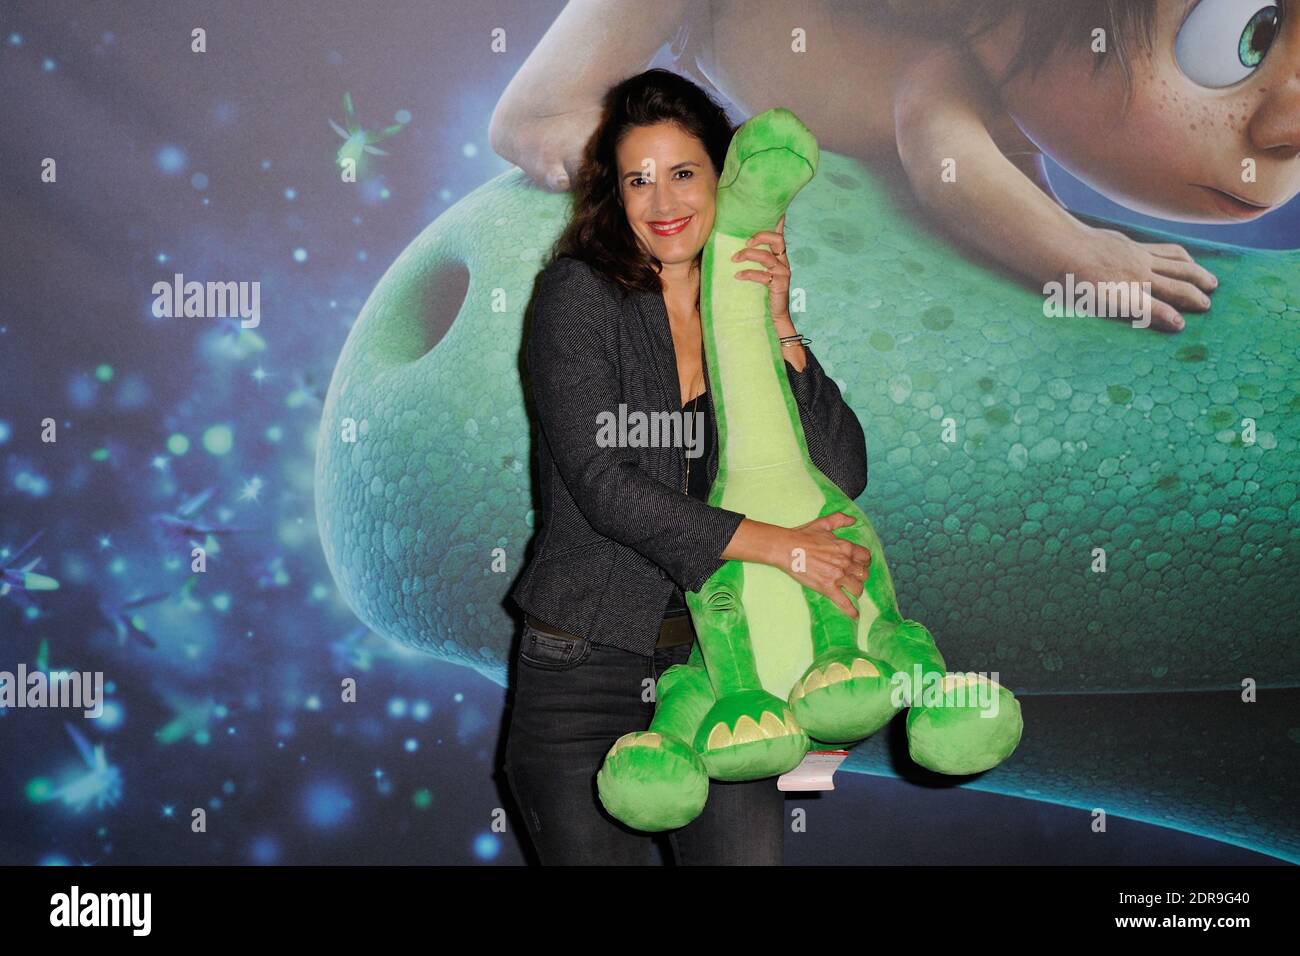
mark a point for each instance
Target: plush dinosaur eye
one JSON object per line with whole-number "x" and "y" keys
{"x": 1224, "y": 41}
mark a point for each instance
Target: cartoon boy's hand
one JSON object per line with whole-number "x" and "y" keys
{"x": 1177, "y": 281}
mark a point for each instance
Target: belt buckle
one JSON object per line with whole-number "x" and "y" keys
{"x": 675, "y": 631}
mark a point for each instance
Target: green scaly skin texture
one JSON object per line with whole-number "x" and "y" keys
{"x": 787, "y": 668}
{"x": 1071, "y": 434}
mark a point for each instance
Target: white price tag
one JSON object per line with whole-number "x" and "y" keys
{"x": 815, "y": 771}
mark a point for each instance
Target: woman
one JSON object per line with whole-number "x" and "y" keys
{"x": 625, "y": 531}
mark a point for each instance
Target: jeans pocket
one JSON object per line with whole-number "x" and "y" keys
{"x": 550, "y": 651}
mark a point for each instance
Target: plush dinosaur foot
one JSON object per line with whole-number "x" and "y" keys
{"x": 652, "y": 781}
{"x": 844, "y": 696}
{"x": 963, "y": 723}
{"x": 750, "y": 735}
{"x": 909, "y": 649}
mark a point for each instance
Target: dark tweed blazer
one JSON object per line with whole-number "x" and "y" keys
{"x": 616, "y": 531}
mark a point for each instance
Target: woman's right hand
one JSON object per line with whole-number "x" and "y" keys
{"x": 815, "y": 557}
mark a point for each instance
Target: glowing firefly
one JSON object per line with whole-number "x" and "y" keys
{"x": 358, "y": 141}
{"x": 16, "y": 580}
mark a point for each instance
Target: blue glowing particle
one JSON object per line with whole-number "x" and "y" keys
{"x": 397, "y": 707}
{"x": 487, "y": 846}
{"x": 264, "y": 851}
{"x": 112, "y": 716}
{"x": 171, "y": 159}
{"x": 402, "y": 116}
{"x": 48, "y": 64}
{"x": 29, "y": 482}
{"x": 300, "y": 254}
{"x": 411, "y": 745}
{"x": 326, "y": 804}
{"x": 199, "y": 181}
{"x": 290, "y": 193}
{"x": 15, "y": 39}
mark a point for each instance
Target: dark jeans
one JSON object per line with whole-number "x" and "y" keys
{"x": 572, "y": 700}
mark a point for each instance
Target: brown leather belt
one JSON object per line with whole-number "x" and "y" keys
{"x": 674, "y": 631}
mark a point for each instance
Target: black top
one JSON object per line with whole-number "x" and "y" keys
{"x": 698, "y": 479}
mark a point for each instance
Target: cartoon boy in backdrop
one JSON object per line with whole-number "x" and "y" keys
{"x": 1187, "y": 110}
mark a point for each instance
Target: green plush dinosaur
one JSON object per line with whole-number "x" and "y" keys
{"x": 778, "y": 667}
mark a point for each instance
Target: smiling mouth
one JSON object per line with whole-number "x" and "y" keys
{"x": 1234, "y": 205}
{"x": 670, "y": 227}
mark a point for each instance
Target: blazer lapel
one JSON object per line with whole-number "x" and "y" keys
{"x": 654, "y": 318}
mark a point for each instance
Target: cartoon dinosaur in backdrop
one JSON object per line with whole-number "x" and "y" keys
{"x": 778, "y": 665}
{"x": 1073, "y": 435}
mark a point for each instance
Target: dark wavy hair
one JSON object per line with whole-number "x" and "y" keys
{"x": 597, "y": 231}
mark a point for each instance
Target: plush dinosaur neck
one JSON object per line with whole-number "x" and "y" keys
{"x": 740, "y": 341}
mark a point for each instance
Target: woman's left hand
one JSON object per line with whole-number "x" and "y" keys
{"x": 777, "y": 274}
{"x": 777, "y": 279}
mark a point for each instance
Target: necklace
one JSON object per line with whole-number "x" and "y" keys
{"x": 686, "y": 487}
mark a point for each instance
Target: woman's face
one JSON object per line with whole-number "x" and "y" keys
{"x": 668, "y": 186}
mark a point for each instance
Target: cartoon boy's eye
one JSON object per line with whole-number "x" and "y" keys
{"x": 1224, "y": 41}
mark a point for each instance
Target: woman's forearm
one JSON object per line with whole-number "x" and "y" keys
{"x": 794, "y": 354}
{"x": 758, "y": 541}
